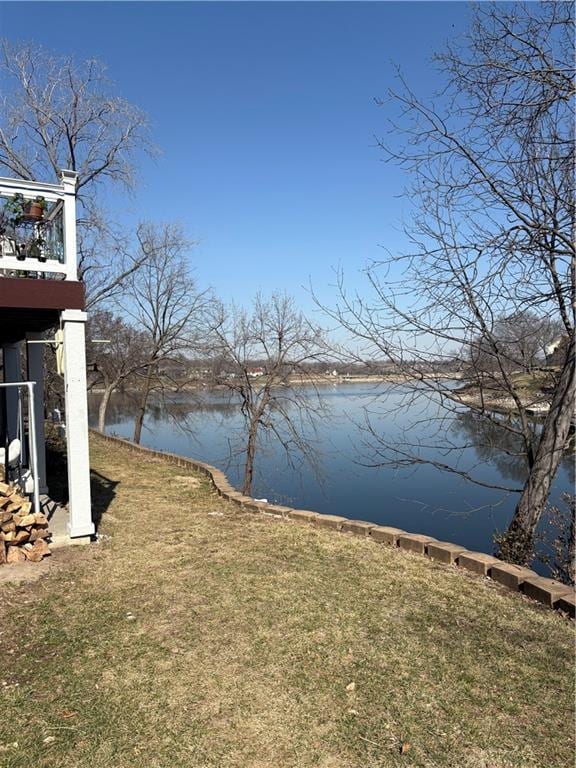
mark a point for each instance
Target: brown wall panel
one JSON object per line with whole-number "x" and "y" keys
{"x": 25, "y": 293}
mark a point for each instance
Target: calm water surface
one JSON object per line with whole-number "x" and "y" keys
{"x": 419, "y": 498}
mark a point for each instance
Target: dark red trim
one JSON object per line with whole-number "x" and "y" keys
{"x": 26, "y": 293}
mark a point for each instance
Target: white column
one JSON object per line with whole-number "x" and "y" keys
{"x": 12, "y": 372}
{"x": 69, "y": 183}
{"x": 35, "y": 362}
{"x": 80, "y": 523}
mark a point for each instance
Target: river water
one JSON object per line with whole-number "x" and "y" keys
{"x": 416, "y": 497}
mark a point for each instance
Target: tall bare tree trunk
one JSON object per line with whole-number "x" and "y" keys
{"x": 249, "y": 464}
{"x": 139, "y": 420}
{"x": 518, "y": 542}
{"x": 103, "y": 407}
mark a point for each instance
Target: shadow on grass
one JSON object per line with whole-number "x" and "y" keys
{"x": 103, "y": 489}
{"x": 103, "y": 492}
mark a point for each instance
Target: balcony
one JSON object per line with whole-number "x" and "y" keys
{"x": 38, "y": 264}
{"x": 40, "y": 295}
{"x": 38, "y": 229}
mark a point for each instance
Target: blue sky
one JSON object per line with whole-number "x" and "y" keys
{"x": 266, "y": 119}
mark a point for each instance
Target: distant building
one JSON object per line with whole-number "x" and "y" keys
{"x": 556, "y": 351}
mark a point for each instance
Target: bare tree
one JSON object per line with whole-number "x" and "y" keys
{"x": 522, "y": 339}
{"x": 261, "y": 357}
{"x": 60, "y": 113}
{"x": 164, "y": 304}
{"x": 490, "y": 161}
{"x": 116, "y": 361}
{"x": 107, "y": 257}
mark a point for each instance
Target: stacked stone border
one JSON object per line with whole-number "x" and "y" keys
{"x": 549, "y": 592}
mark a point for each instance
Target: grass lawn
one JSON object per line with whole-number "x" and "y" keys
{"x": 196, "y": 635}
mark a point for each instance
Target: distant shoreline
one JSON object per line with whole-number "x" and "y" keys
{"x": 391, "y": 378}
{"x": 536, "y": 406}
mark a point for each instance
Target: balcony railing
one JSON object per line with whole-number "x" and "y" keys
{"x": 38, "y": 228}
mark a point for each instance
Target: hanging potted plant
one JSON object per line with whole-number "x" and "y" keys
{"x": 34, "y": 209}
{"x": 18, "y": 209}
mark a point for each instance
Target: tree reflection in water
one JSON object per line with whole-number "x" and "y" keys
{"x": 555, "y": 545}
{"x": 122, "y": 409}
{"x": 501, "y": 448}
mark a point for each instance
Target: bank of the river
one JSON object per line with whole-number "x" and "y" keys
{"x": 195, "y": 635}
{"x": 533, "y": 391}
{"x": 538, "y": 405}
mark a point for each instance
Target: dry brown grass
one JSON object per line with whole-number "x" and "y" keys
{"x": 230, "y": 640}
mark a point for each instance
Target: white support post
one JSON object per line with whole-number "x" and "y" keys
{"x": 69, "y": 184}
{"x": 80, "y": 523}
{"x": 12, "y": 373}
{"x": 35, "y": 362}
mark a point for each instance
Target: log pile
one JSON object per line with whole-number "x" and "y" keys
{"x": 23, "y": 534}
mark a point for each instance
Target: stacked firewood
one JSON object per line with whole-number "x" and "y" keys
{"x": 23, "y": 534}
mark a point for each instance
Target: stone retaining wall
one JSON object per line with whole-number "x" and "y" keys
{"x": 549, "y": 592}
